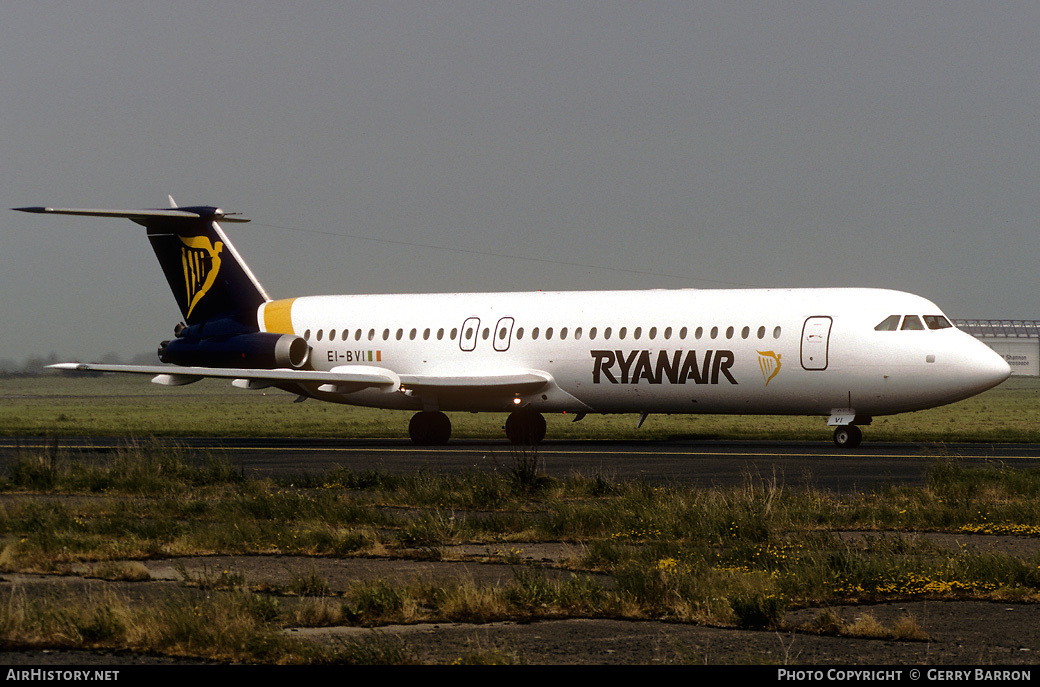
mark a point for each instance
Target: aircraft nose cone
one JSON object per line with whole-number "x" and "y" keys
{"x": 988, "y": 367}
{"x": 1001, "y": 370}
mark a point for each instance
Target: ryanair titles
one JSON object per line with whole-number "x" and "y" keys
{"x": 672, "y": 367}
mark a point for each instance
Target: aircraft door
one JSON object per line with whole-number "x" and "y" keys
{"x": 816, "y": 334}
{"x": 503, "y": 333}
{"x": 470, "y": 332}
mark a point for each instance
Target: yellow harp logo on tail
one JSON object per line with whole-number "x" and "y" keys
{"x": 201, "y": 261}
{"x": 769, "y": 362}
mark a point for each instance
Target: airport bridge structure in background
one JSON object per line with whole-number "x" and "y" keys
{"x": 1018, "y": 341}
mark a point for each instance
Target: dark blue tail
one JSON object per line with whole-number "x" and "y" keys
{"x": 208, "y": 277}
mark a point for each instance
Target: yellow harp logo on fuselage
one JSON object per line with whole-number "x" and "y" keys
{"x": 769, "y": 363}
{"x": 201, "y": 261}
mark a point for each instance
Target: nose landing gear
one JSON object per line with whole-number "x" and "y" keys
{"x": 848, "y": 436}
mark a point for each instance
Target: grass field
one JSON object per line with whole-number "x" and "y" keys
{"x": 131, "y": 405}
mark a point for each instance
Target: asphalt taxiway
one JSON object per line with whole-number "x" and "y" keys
{"x": 703, "y": 463}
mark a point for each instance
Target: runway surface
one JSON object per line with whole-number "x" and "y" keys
{"x": 703, "y": 463}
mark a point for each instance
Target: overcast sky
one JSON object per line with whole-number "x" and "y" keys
{"x": 485, "y": 146}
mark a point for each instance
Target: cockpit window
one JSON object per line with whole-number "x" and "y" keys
{"x": 889, "y": 324}
{"x": 912, "y": 322}
{"x": 937, "y": 322}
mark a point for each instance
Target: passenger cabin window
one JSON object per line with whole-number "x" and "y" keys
{"x": 889, "y": 324}
{"x": 912, "y": 322}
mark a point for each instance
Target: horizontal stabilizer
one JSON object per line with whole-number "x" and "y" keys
{"x": 143, "y": 215}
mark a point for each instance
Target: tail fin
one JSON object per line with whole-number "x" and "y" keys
{"x": 208, "y": 277}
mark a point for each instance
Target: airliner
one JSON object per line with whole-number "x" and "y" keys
{"x": 847, "y": 354}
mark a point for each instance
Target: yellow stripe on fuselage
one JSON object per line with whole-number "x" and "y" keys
{"x": 278, "y": 316}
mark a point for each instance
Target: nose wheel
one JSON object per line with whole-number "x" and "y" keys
{"x": 848, "y": 436}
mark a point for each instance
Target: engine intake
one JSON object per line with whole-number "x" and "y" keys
{"x": 256, "y": 350}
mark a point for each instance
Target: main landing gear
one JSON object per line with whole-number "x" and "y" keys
{"x": 525, "y": 427}
{"x": 848, "y": 436}
{"x": 430, "y": 428}
{"x": 433, "y": 428}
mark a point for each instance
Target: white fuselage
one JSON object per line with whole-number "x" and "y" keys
{"x": 849, "y": 354}
{"x": 758, "y": 351}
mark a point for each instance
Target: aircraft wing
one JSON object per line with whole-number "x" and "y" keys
{"x": 356, "y": 377}
{"x": 495, "y": 390}
{"x": 519, "y": 382}
{"x": 343, "y": 379}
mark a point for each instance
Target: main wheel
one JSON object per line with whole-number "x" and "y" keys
{"x": 429, "y": 428}
{"x": 847, "y": 436}
{"x": 525, "y": 427}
